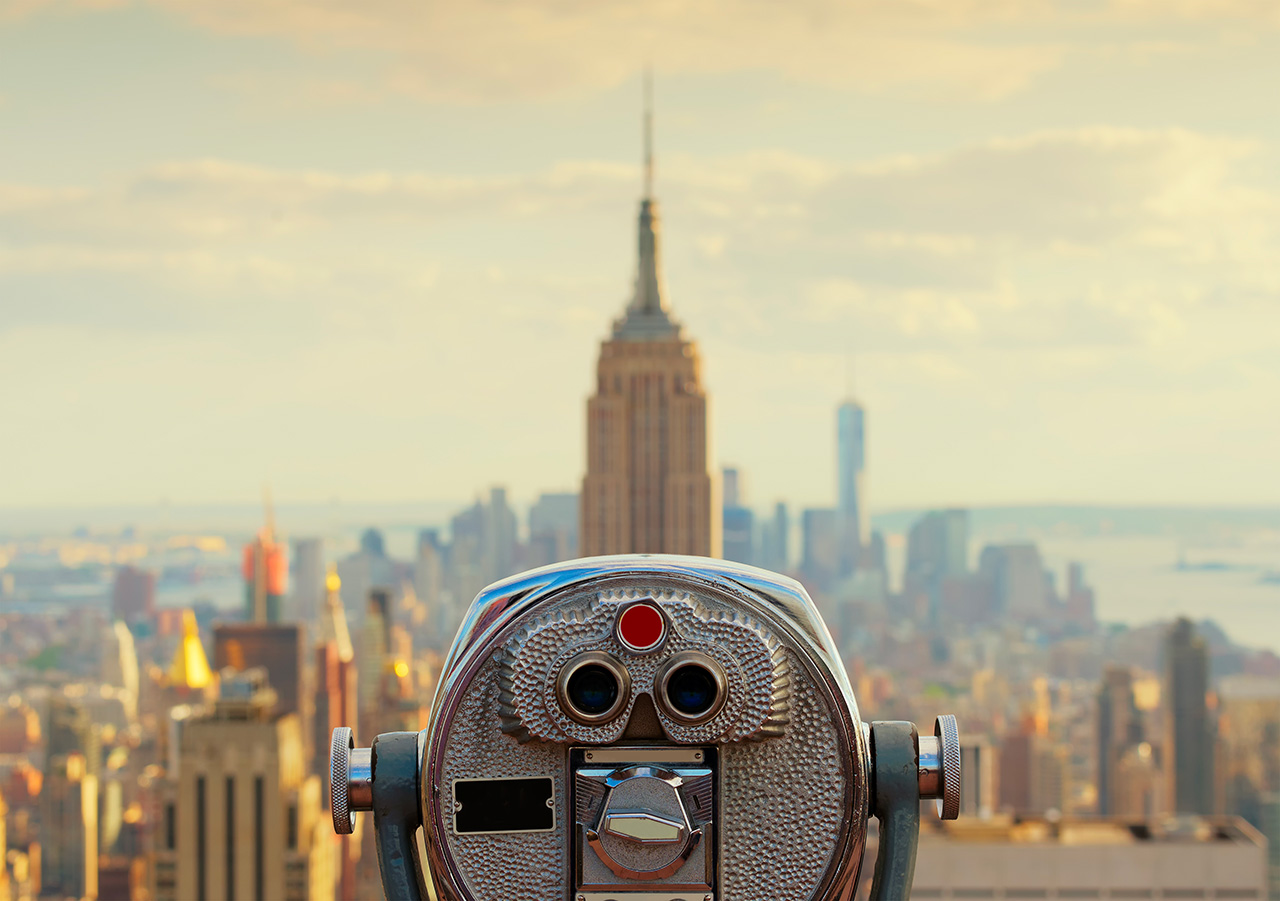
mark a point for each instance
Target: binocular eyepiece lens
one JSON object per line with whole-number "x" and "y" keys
{"x": 692, "y": 690}
{"x": 593, "y": 689}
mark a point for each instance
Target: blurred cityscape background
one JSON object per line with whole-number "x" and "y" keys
{"x": 972, "y": 328}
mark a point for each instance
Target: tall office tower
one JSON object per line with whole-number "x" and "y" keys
{"x": 1078, "y": 607}
{"x": 1016, "y": 574}
{"x": 937, "y": 550}
{"x": 336, "y": 684}
{"x": 266, "y": 575}
{"x": 823, "y": 546}
{"x": 938, "y": 545}
{"x": 120, "y": 662}
{"x": 70, "y": 730}
{"x": 851, "y": 461}
{"x": 553, "y": 529}
{"x": 279, "y": 649}
{"x": 306, "y": 599}
{"x": 647, "y": 487}
{"x": 375, "y": 646}
{"x": 69, "y": 828}
{"x": 1119, "y": 728}
{"x": 1248, "y": 755}
{"x": 244, "y": 819}
{"x": 738, "y": 522}
{"x": 133, "y": 596}
{"x": 500, "y": 550}
{"x": 1191, "y": 734}
{"x": 775, "y": 540}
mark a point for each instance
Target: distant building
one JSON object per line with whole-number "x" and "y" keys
{"x": 937, "y": 551}
{"x": 775, "y": 540}
{"x": 553, "y": 528}
{"x": 851, "y": 461}
{"x": 647, "y": 487}
{"x": 1191, "y": 732}
{"x": 1119, "y": 730}
{"x": 243, "y": 818}
{"x": 738, "y": 522}
{"x": 336, "y": 705}
{"x": 120, "y": 661}
{"x": 266, "y": 576}
{"x": 484, "y": 547}
{"x": 938, "y": 545}
{"x": 1249, "y": 745}
{"x": 977, "y": 777}
{"x": 823, "y": 546}
{"x": 279, "y": 649}
{"x": 133, "y": 596}
{"x": 1091, "y": 858}
{"x": 69, "y": 828}
{"x": 1016, "y": 574}
{"x": 307, "y": 596}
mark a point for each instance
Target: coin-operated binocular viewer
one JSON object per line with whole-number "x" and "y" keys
{"x": 645, "y": 728}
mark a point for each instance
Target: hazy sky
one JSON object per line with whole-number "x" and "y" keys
{"x": 367, "y": 250}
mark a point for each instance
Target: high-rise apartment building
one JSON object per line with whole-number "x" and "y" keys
{"x": 243, "y": 818}
{"x": 1190, "y": 730}
{"x": 647, "y": 487}
{"x": 851, "y": 463}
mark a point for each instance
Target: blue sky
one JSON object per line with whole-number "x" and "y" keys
{"x": 368, "y": 250}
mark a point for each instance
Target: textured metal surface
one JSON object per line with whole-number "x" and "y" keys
{"x": 340, "y": 746}
{"x": 947, "y": 733}
{"x": 530, "y": 866}
{"x": 799, "y": 797}
{"x": 897, "y": 807}
{"x": 747, "y": 653}
{"x": 783, "y": 806}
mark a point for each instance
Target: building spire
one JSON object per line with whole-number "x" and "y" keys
{"x": 646, "y": 317}
{"x": 648, "y": 133}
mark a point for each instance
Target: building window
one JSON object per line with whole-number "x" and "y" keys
{"x": 259, "y": 873}
{"x": 170, "y": 827}
{"x": 292, "y": 828}
{"x": 231, "y": 838}
{"x": 201, "y": 870}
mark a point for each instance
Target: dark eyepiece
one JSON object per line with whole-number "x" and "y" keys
{"x": 593, "y": 688}
{"x": 691, "y": 688}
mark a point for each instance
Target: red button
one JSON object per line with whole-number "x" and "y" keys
{"x": 641, "y": 627}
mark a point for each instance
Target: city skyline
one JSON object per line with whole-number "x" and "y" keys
{"x": 284, "y": 262}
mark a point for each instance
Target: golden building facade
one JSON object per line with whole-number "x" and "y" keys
{"x": 648, "y": 487}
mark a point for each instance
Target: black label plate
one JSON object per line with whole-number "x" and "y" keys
{"x": 518, "y": 804}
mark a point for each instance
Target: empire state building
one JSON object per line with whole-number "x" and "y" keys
{"x": 647, "y": 487}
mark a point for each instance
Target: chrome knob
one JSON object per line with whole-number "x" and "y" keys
{"x": 350, "y": 779}
{"x": 939, "y": 766}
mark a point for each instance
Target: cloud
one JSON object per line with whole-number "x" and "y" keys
{"x": 1088, "y": 237}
